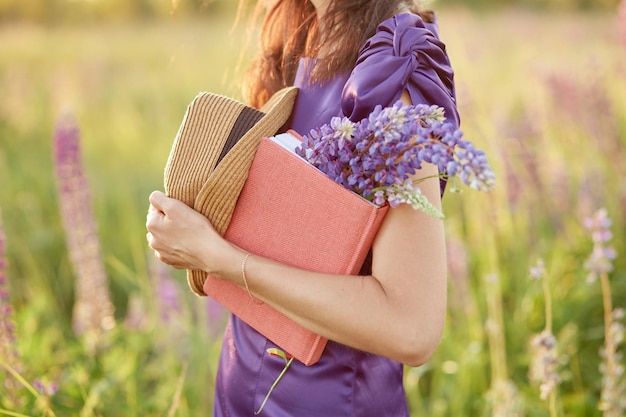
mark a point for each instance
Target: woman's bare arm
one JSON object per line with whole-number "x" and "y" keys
{"x": 398, "y": 311}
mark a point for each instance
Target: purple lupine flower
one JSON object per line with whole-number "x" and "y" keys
{"x": 602, "y": 255}
{"x": 93, "y": 310}
{"x": 216, "y": 316}
{"x": 588, "y": 104}
{"x": 168, "y": 294}
{"x": 7, "y": 326}
{"x": 545, "y": 361}
{"x": 7, "y": 336}
{"x": 45, "y": 388}
{"x": 8, "y": 349}
{"x": 170, "y": 302}
{"x": 613, "y": 397}
{"x": 538, "y": 271}
{"x": 136, "y": 317}
{"x": 171, "y": 315}
{"x": 599, "y": 265}
{"x": 504, "y": 399}
{"x": 376, "y": 156}
{"x": 543, "y": 369}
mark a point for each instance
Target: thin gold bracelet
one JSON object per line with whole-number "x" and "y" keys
{"x": 245, "y": 279}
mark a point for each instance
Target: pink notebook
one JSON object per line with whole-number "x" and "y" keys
{"x": 291, "y": 212}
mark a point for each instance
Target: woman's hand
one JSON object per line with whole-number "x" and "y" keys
{"x": 182, "y": 237}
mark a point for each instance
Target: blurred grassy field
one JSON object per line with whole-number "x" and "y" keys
{"x": 543, "y": 94}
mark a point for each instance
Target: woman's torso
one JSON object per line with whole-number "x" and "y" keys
{"x": 405, "y": 55}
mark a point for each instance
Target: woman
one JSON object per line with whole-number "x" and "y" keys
{"x": 346, "y": 56}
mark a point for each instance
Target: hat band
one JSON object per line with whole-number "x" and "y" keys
{"x": 246, "y": 119}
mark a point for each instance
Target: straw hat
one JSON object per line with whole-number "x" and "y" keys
{"x": 212, "y": 153}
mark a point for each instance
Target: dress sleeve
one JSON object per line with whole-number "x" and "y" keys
{"x": 404, "y": 54}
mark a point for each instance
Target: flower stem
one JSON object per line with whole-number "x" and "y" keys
{"x": 417, "y": 181}
{"x": 547, "y": 295}
{"x": 287, "y": 365}
{"x": 20, "y": 379}
{"x": 552, "y": 400}
{"x": 47, "y": 410}
{"x": 11, "y": 413}
{"x": 548, "y": 304}
{"x": 609, "y": 344}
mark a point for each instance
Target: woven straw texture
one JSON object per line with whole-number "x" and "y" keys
{"x": 212, "y": 152}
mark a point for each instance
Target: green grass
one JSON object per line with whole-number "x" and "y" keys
{"x": 543, "y": 94}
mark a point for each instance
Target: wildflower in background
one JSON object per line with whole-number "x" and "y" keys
{"x": 170, "y": 307}
{"x": 93, "y": 310}
{"x": 545, "y": 358}
{"x": 10, "y": 360}
{"x": 216, "y": 315}
{"x": 586, "y": 102}
{"x": 136, "y": 314}
{"x": 47, "y": 389}
{"x": 538, "y": 271}
{"x": 613, "y": 398}
{"x": 545, "y": 361}
{"x": 504, "y": 399}
{"x": 599, "y": 265}
{"x": 7, "y": 326}
{"x": 172, "y": 319}
{"x": 168, "y": 294}
{"x": 601, "y": 259}
{"x": 9, "y": 355}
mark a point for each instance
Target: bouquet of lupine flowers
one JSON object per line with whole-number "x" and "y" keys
{"x": 377, "y": 157}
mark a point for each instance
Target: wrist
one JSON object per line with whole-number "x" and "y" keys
{"x": 235, "y": 270}
{"x": 226, "y": 263}
{"x": 244, "y": 278}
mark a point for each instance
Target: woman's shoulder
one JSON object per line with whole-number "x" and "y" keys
{"x": 404, "y": 50}
{"x": 405, "y": 24}
{"x": 402, "y": 36}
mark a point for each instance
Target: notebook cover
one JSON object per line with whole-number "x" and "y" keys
{"x": 291, "y": 212}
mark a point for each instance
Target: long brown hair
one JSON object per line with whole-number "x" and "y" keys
{"x": 291, "y": 31}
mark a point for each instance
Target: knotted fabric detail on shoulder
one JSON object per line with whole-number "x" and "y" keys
{"x": 404, "y": 54}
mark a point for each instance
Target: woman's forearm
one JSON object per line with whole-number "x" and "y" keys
{"x": 352, "y": 310}
{"x": 400, "y": 316}
{"x": 398, "y": 311}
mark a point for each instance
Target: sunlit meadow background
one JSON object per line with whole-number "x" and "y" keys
{"x": 543, "y": 92}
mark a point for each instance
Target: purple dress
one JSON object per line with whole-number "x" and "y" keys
{"x": 404, "y": 54}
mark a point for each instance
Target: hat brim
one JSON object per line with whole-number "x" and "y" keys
{"x": 209, "y": 162}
